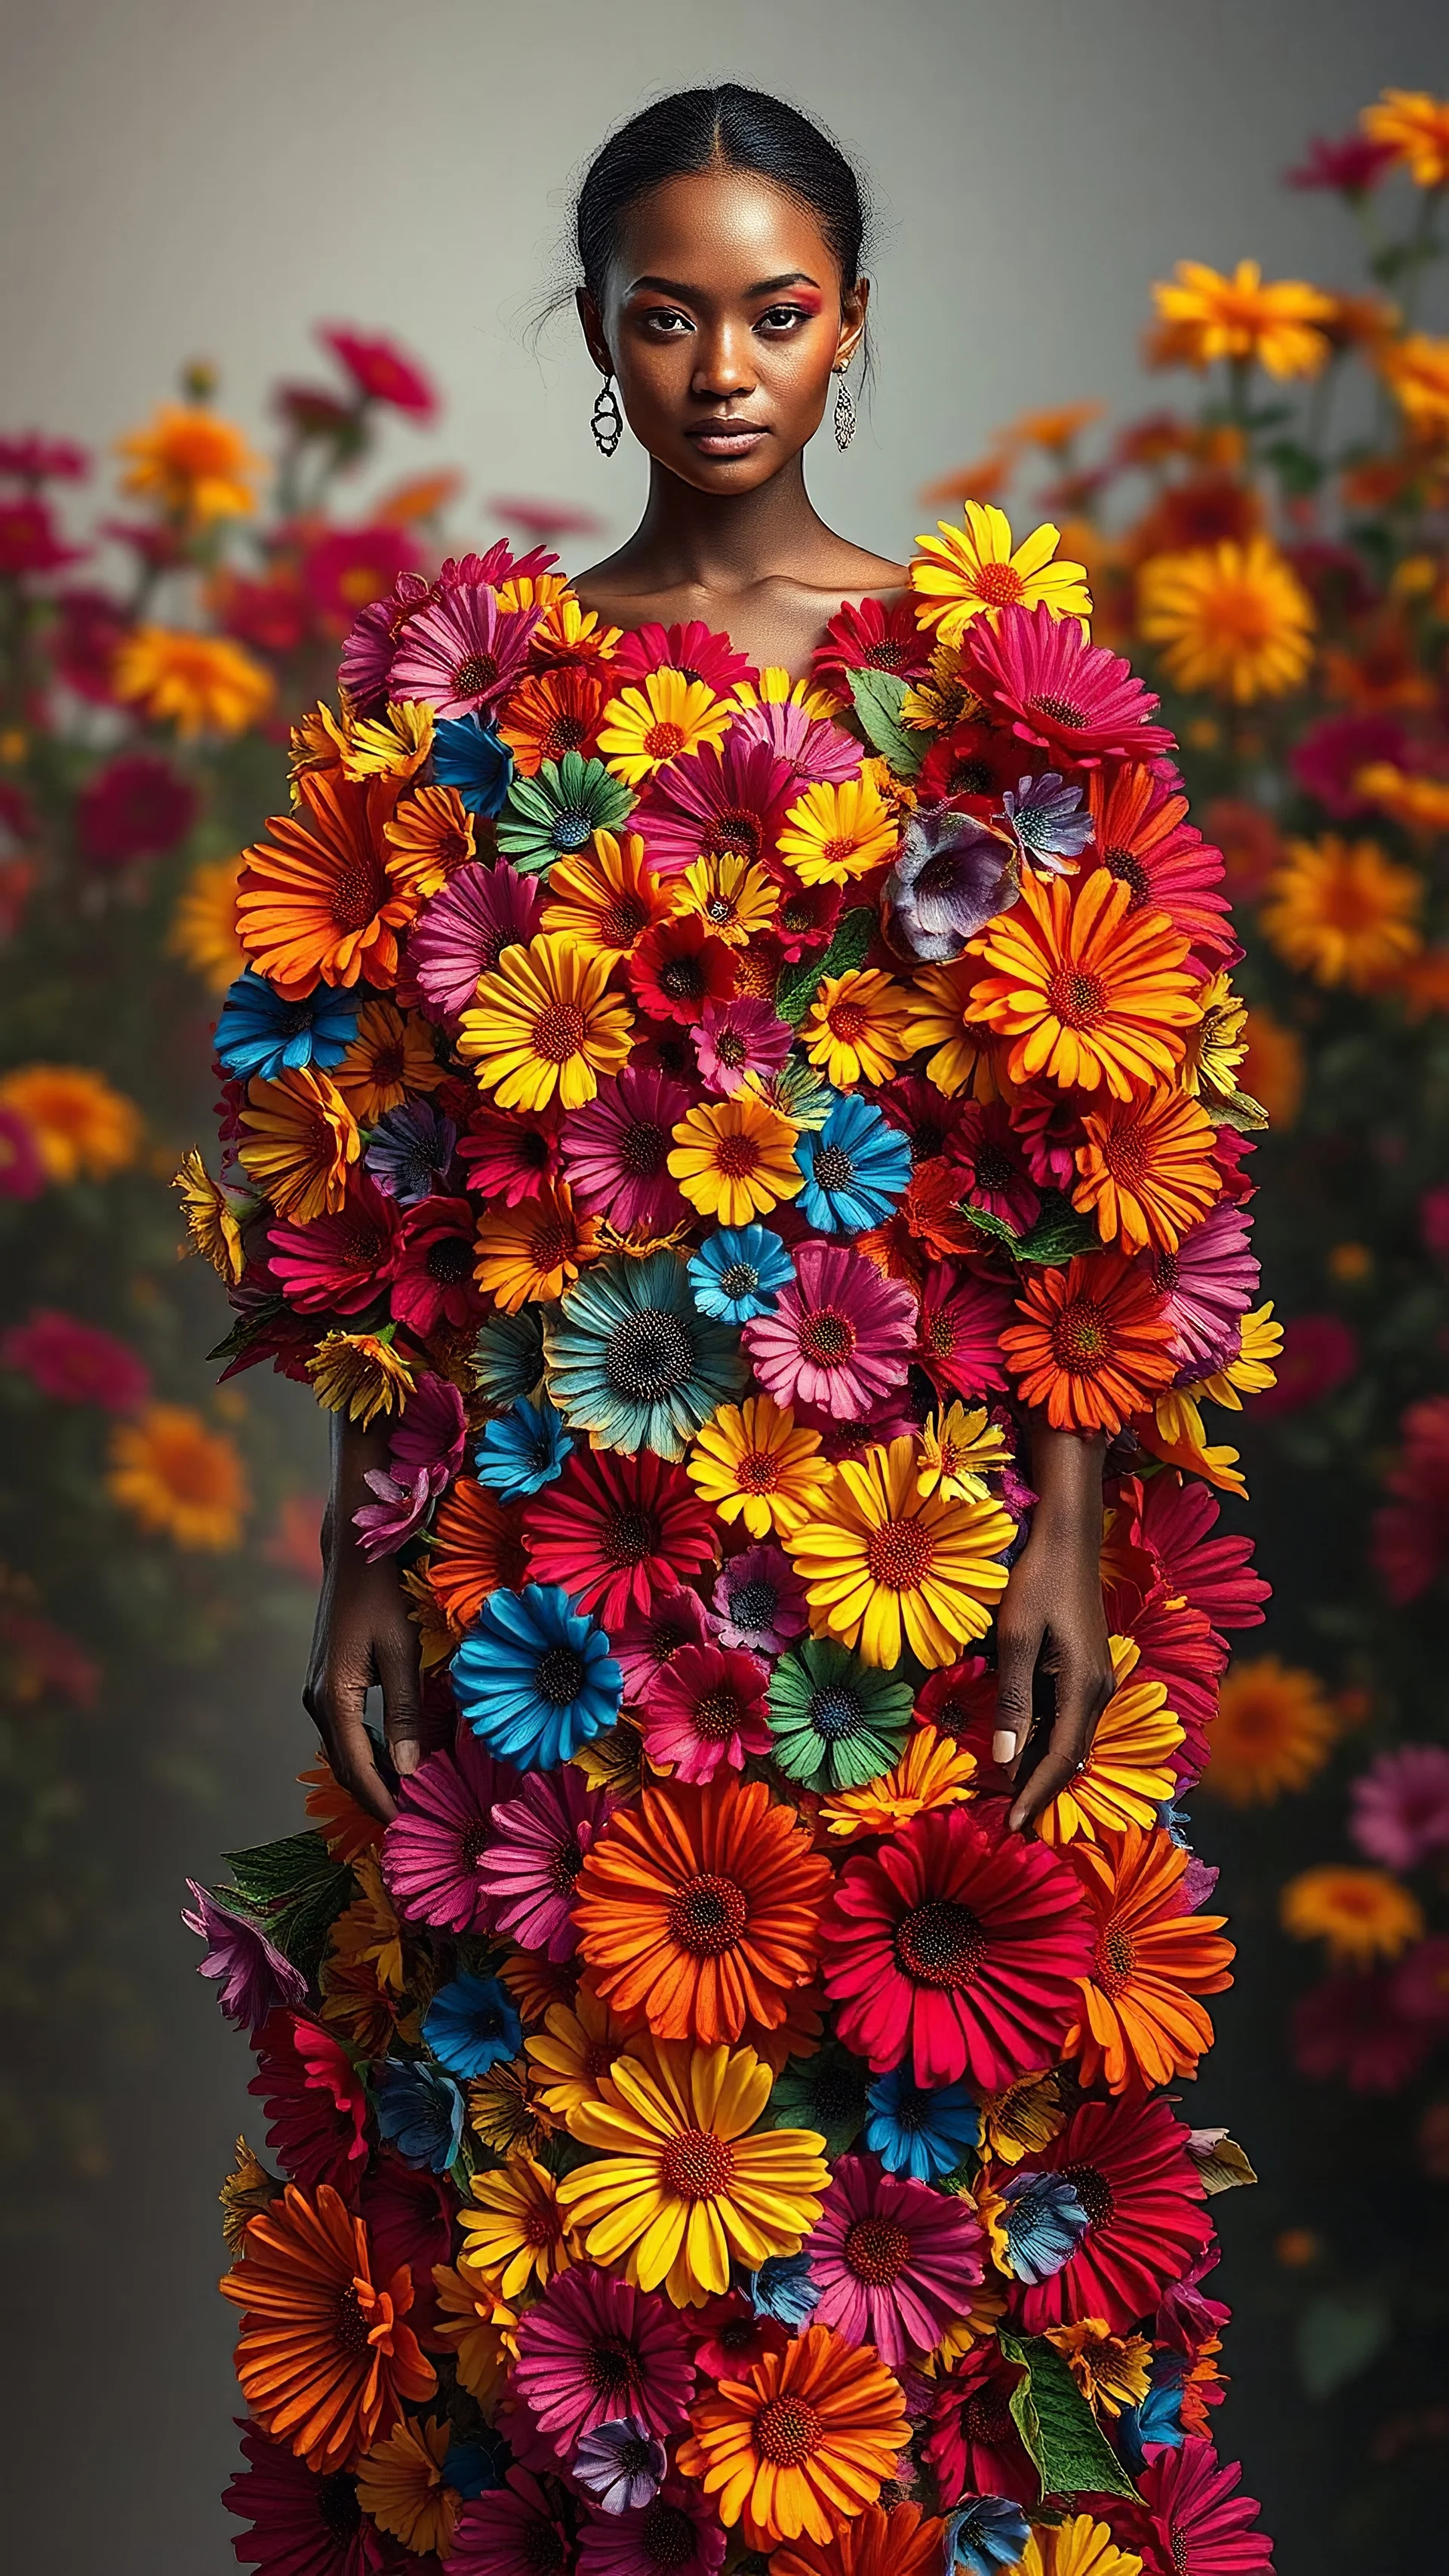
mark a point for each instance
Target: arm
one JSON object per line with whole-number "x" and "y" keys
{"x": 363, "y": 1634}
{"x": 1052, "y": 1621}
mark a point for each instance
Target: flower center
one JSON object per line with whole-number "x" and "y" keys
{"x": 1080, "y": 1339}
{"x": 352, "y": 2328}
{"x": 731, "y": 1049}
{"x": 548, "y": 1246}
{"x": 649, "y": 1355}
{"x": 753, "y": 1606}
{"x": 716, "y": 1715}
{"x": 836, "y": 853}
{"x": 542, "y": 2227}
{"x": 758, "y": 1472}
{"x": 940, "y": 1944}
{"x": 1060, "y": 711}
{"x": 877, "y": 2251}
{"x": 707, "y": 1915}
{"x": 1093, "y": 2191}
{"x": 663, "y": 741}
{"x": 787, "y": 2432}
{"x": 449, "y": 1261}
{"x": 475, "y": 674}
{"x": 827, "y": 1337}
{"x": 612, "y": 2367}
{"x": 666, "y": 2536}
{"x": 887, "y": 655}
{"x": 834, "y": 1169}
{"x": 846, "y": 1020}
{"x": 1124, "y": 1151}
{"x": 999, "y": 584}
{"x": 571, "y": 828}
{"x": 565, "y": 733}
{"x": 558, "y": 1676}
{"x": 739, "y": 1280}
{"x": 836, "y": 1714}
{"x": 736, "y": 1157}
{"x": 970, "y": 778}
{"x": 682, "y": 978}
{"x": 1077, "y": 999}
{"x": 564, "y": 1865}
{"x": 475, "y": 1841}
{"x": 558, "y": 1032}
{"x": 622, "y": 921}
{"x": 732, "y": 836}
{"x": 900, "y": 1554}
{"x": 629, "y": 1537}
{"x": 1115, "y": 1960}
{"x": 337, "y": 2506}
{"x": 697, "y": 2165}
{"x": 1128, "y": 870}
{"x": 359, "y": 890}
{"x": 543, "y": 2549}
{"x": 642, "y": 1147}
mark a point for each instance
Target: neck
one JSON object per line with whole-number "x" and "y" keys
{"x": 723, "y": 544}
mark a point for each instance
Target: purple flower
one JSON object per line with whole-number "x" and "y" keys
{"x": 367, "y": 656}
{"x": 649, "y": 1639}
{"x": 735, "y": 1039}
{"x": 621, "y": 2465}
{"x": 426, "y": 1454}
{"x": 1207, "y": 1285}
{"x": 253, "y": 1977}
{"x": 759, "y": 1605}
{"x": 1400, "y": 1806}
{"x": 410, "y": 1152}
{"x": 528, "y": 1870}
{"x": 676, "y": 2535}
{"x": 432, "y": 1431}
{"x": 431, "y": 1850}
{"x": 463, "y": 932}
{"x": 1045, "y": 819}
{"x": 952, "y": 876}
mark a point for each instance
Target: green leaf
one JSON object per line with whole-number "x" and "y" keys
{"x": 878, "y": 696}
{"x": 295, "y": 1889}
{"x": 850, "y": 947}
{"x": 248, "y": 1329}
{"x": 1297, "y": 468}
{"x": 1070, "y": 2452}
{"x": 1059, "y": 1233}
{"x": 1239, "y": 1110}
{"x": 995, "y": 1228}
{"x": 267, "y": 1873}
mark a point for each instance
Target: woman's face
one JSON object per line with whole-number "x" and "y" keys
{"x": 724, "y": 318}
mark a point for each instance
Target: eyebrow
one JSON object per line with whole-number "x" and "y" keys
{"x": 766, "y": 286}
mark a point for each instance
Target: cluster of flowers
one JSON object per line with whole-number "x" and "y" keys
{"x": 698, "y": 1115}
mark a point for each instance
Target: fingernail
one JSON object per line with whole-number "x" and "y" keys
{"x": 1003, "y": 1744}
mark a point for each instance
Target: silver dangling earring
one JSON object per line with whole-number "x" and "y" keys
{"x": 844, "y": 416}
{"x": 607, "y": 421}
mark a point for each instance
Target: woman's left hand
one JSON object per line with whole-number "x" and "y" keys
{"x": 1051, "y": 1621}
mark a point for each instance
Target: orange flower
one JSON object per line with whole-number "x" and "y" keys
{"x": 323, "y": 900}
{"x": 602, "y": 899}
{"x": 431, "y": 834}
{"x": 80, "y": 1124}
{"x": 697, "y": 1909}
{"x": 301, "y": 1141}
{"x": 1091, "y": 991}
{"x": 551, "y": 712}
{"x": 179, "y": 1479}
{"x": 1128, "y": 1772}
{"x": 1414, "y": 126}
{"x": 1095, "y": 1346}
{"x": 346, "y": 1828}
{"x": 901, "y": 2541}
{"x": 1141, "y": 2021}
{"x": 529, "y": 1254}
{"x": 801, "y": 2442}
{"x": 324, "y": 2356}
{"x": 479, "y": 1550}
{"x": 389, "y": 1057}
{"x": 1147, "y": 1170}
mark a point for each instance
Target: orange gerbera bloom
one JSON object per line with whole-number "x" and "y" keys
{"x": 1141, "y": 2022}
{"x": 802, "y": 2442}
{"x": 551, "y": 712}
{"x": 302, "y": 1140}
{"x": 698, "y": 1909}
{"x": 1091, "y": 991}
{"x": 529, "y": 1254}
{"x": 1095, "y": 1346}
{"x": 901, "y": 2541}
{"x": 389, "y": 1057}
{"x": 324, "y": 2356}
{"x": 604, "y": 898}
{"x": 323, "y": 900}
{"x": 933, "y": 1771}
{"x": 431, "y": 834}
{"x": 479, "y": 1550}
{"x": 345, "y": 1827}
{"x": 1147, "y": 1170}
{"x": 176, "y": 1477}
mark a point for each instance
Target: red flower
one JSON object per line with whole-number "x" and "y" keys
{"x": 692, "y": 649}
{"x": 973, "y": 2445}
{"x": 958, "y": 1334}
{"x": 1076, "y": 699}
{"x": 1328, "y": 757}
{"x": 616, "y": 1532}
{"x": 29, "y": 540}
{"x": 301, "y": 2524}
{"x": 1049, "y": 1129}
{"x": 1178, "y": 1646}
{"x": 1130, "y": 2167}
{"x": 677, "y": 967}
{"x": 509, "y": 1157}
{"x": 434, "y": 1281}
{"x": 1352, "y": 166}
{"x": 409, "y": 2219}
{"x": 89, "y": 630}
{"x": 134, "y": 808}
{"x": 1320, "y": 1354}
{"x": 972, "y": 766}
{"x": 339, "y": 1263}
{"x": 314, "y": 2101}
{"x": 960, "y": 1699}
{"x": 869, "y": 636}
{"x": 33, "y": 458}
{"x": 958, "y": 1949}
{"x": 76, "y": 1363}
{"x": 732, "y": 2337}
{"x": 380, "y": 371}
{"x": 986, "y": 1160}
{"x": 1204, "y": 2529}
{"x": 348, "y": 567}
{"x": 1411, "y": 1534}
{"x": 270, "y": 615}
{"x": 1173, "y": 1523}
{"x": 806, "y": 918}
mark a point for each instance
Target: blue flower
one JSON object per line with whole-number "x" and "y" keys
{"x": 523, "y": 1451}
{"x": 739, "y": 1273}
{"x": 1045, "y": 2223}
{"x": 1158, "y": 2419}
{"x": 535, "y": 1678}
{"x": 419, "y": 2112}
{"x": 474, "y": 2466}
{"x": 410, "y": 1152}
{"x": 916, "y": 2133}
{"x": 507, "y": 1357}
{"x": 632, "y": 1361}
{"x": 987, "y": 2533}
{"x": 261, "y": 1033}
{"x": 784, "y": 2288}
{"x": 855, "y": 1170}
{"x": 472, "y": 2024}
{"x": 1047, "y": 823}
{"x": 469, "y": 756}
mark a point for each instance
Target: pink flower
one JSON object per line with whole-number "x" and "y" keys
{"x": 1049, "y": 1127}
{"x": 1400, "y": 1806}
{"x": 339, "y": 1264}
{"x": 817, "y": 750}
{"x": 616, "y": 1152}
{"x": 347, "y": 563}
{"x": 1053, "y": 688}
{"x": 432, "y": 1848}
{"x": 463, "y": 932}
{"x": 1203, "y": 2528}
{"x": 1178, "y": 1646}
{"x": 314, "y": 2100}
{"x": 135, "y": 808}
{"x": 1207, "y": 1286}
{"x": 707, "y": 1708}
{"x": 1411, "y": 1533}
{"x": 895, "y": 2261}
{"x": 1328, "y": 757}
{"x": 649, "y": 1640}
{"x": 758, "y": 1601}
{"x": 509, "y": 1156}
{"x": 253, "y": 1977}
{"x": 463, "y": 654}
{"x": 678, "y": 2534}
{"x": 1352, "y": 166}
{"x": 426, "y": 1454}
{"x": 692, "y": 649}
{"x": 31, "y": 457}
{"x": 431, "y": 1431}
{"x": 732, "y": 1040}
{"x": 528, "y": 1870}
{"x": 30, "y": 542}
{"x": 507, "y": 2529}
{"x": 75, "y": 1363}
{"x": 433, "y": 1277}
{"x": 300, "y": 2524}
{"x": 987, "y": 1154}
{"x": 958, "y": 1330}
{"x": 595, "y": 2348}
{"x": 713, "y": 802}
{"x": 1352, "y": 2026}
{"x": 840, "y": 1335}
{"x": 380, "y": 370}
{"x": 1320, "y": 1354}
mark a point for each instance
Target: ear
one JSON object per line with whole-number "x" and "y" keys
{"x": 853, "y": 303}
{"x": 593, "y": 331}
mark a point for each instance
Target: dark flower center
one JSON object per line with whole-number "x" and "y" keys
{"x": 571, "y": 828}
{"x": 787, "y": 2431}
{"x": 834, "y": 1169}
{"x": 741, "y": 1279}
{"x": 649, "y": 1355}
{"x": 753, "y": 1606}
{"x": 716, "y": 1714}
{"x": 698, "y": 2164}
{"x": 612, "y": 2367}
{"x": 621, "y": 924}
{"x": 565, "y": 1865}
{"x": 559, "y": 1675}
{"x": 449, "y": 1260}
{"x": 1060, "y": 711}
{"x": 666, "y": 2536}
{"x": 708, "y": 1914}
{"x": 558, "y": 1032}
{"x": 337, "y": 2506}
{"x": 359, "y": 891}
{"x": 1093, "y": 2191}
{"x": 1128, "y": 869}
{"x": 940, "y": 1944}
{"x": 827, "y": 1337}
{"x": 642, "y": 1147}
{"x": 630, "y": 1536}
{"x": 475, "y": 674}
{"x": 683, "y": 979}
{"x": 351, "y": 2327}
{"x": 877, "y": 2251}
{"x": 836, "y": 1714}
{"x": 543, "y": 2549}
{"x": 736, "y": 834}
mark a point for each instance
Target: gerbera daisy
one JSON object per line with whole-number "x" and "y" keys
{"x": 855, "y": 1029}
{"x": 1206, "y": 1286}
{"x": 477, "y": 2327}
{"x": 806, "y": 920}
{"x": 739, "y": 1042}
{"x": 1076, "y": 700}
{"x": 577, "y": 2046}
{"x": 309, "y": 2089}
{"x": 1095, "y": 1346}
{"x": 963, "y": 1314}
{"x": 432, "y": 833}
{"x": 508, "y": 1157}
{"x": 836, "y": 1723}
{"x": 881, "y": 1563}
{"x": 716, "y": 802}
{"x": 708, "y": 1708}
{"x": 690, "y": 648}
{"x": 361, "y": 1374}
{"x": 650, "y": 724}
{"x": 1141, "y": 2022}
{"x": 931, "y": 1772}
{"x": 534, "y": 1677}
{"x": 676, "y": 2535}
{"x": 738, "y": 1273}
{"x": 595, "y": 2348}
{"x": 1173, "y": 1522}
{"x": 510, "y": 2526}
{"x": 757, "y": 1605}
{"x": 895, "y": 2540}
{"x": 1273, "y": 1731}
{"x": 549, "y": 713}
{"x": 179, "y": 1479}
{"x": 1090, "y": 992}
{"x": 433, "y": 1285}
{"x": 616, "y": 1152}
{"x": 943, "y": 1018}
{"x": 259, "y": 1032}
{"x": 632, "y": 1361}
{"x": 479, "y": 1549}
{"x": 894, "y": 2260}
{"x": 543, "y": 1024}
{"x": 734, "y": 1158}
{"x": 603, "y": 898}
{"x": 751, "y": 1462}
{"x": 1080, "y": 2546}
{"x": 1211, "y": 316}
{"x": 646, "y": 1642}
{"x": 735, "y": 898}
{"x": 324, "y": 2355}
{"x": 802, "y": 2440}
{"x": 343, "y": 1262}
{"x": 301, "y": 2524}
{"x": 959, "y": 1451}
{"x": 840, "y": 1335}
{"x": 514, "y": 2232}
{"x": 558, "y": 811}
{"x": 833, "y": 834}
{"x": 1146, "y": 1170}
{"x": 1130, "y": 2166}
{"x": 681, "y": 2187}
{"x": 1230, "y": 619}
{"x": 974, "y": 2447}
{"x": 299, "y": 1141}
{"x": 957, "y": 1950}
{"x": 463, "y": 652}
{"x": 923, "y": 2135}
{"x": 1203, "y": 2528}
{"x": 1342, "y": 912}
{"x": 856, "y": 1168}
{"x": 1128, "y": 1771}
{"x": 199, "y": 683}
{"x": 1143, "y": 838}
{"x": 962, "y": 574}
{"x": 869, "y": 635}
{"x": 678, "y": 968}
{"x": 1399, "y": 1807}
{"x": 463, "y": 931}
{"x": 698, "y": 1909}
{"x": 618, "y": 1532}
{"x": 390, "y": 1057}
{"x": 534, "y": 1856}
{"x": 431, "y": 1850}
{"x": 529, "y": 1254}
{"x": 324, "y": 898}
{"x": 1361, "y": 1915}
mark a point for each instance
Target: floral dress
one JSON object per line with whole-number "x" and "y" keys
{"x": 698, "y": 1116}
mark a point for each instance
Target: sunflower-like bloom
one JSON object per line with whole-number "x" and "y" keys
{"x": 212, "y": 1229}
{"x": 651, "y": 724}
{"x": 604, "y": 897}
{"x": 1080, "y": 2546}
{"x": 514, "y": 2231}
{"x": 432, "y": 834}
{"x": 545, "y": 1026}
{"x": 197, "y": 467}
{"x": 856, "y": 1027}
{"x": 79, "y": 1122}
{"x": 1209, "y": 316}
{"x": 885, "y": 1566}
{"x": 969, "y": 572}
{"x": 941, "y": 1016}
{"x": 574, "y": 2051}
{"x": 1142, "y": 2023}
{"x": 1090, "y": 992}
{"x": 1129, "y": 1770}
{"x": 199, "y": 683}
{"x": 400, "y": 2483}
{"x": 1147, "y": 1170}
{"x": 1217, "y": 1046}
{"x": 1096, "y": 1345}
{"x": 932, "y": 1772}
{"x": 1362, "y": 1914}
{"x": 734, "y": 1159}
{"x": 734, "y": 897}
{"x": 477, "y": 2327}
{"x": 801, "y": 2441}
{"x": 299, "y": 1142}
{"x": 682, "y": 2187}
{"x": 960, "y": 1448}
{"x": 1233, "y": 619}
{"x": 528, "y": 1254}
{"x": 753, "y": 1462}
{"x": 325, "y": 897}
{"x": 1414, "y": 126}
{"x": 632, "y": 1361}
{"x": 831, "y": 834}
{"x": 1274, "y": 1729}
{"x": 176, "y": 1477}
{"x": 1342, "y": 912}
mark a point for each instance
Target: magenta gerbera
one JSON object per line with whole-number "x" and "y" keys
{"x": 301, "y": 2525}
{"x": 840, "y": 1335}
{"x": 956, "y": 1950}
{"x": 1203, "y": 2527}
{"x": 510, "y": 2528}
{"x": 692, "y": 649}
{"x": 894, "y": 2261}
{"x": 986, "y": 1153}
{"x": 463, "y": 932}
{"x": 1054, "y": 688}
{"x": 866, "y": 635}
{"x": 616, "y": 1152}
{"x": 758, "y": 1602}
{"x": 1130, "y": 2167}
{"x": 678, "y": 2534}
{"x": 461, "y": 654}
{"x": 595, "y": 2348}
{"x": 1049, "y": 1130}
{"x": 715, "y": 803}
{"x": 817, "y": 750}
{"x": 1173, "y": 1522}
{"x": 1400, "y": 1806}
{"x": 431, "y": 1850}
{"x": 708, "y": 1708}
{"x": 529, "y": 1868}
{"x": 314, "y": 2100}
{"x": 735, "y": 1039}
{"x": 958, "y": 1333}
{"x": 1206, "y": 1286}
{"x": 648, "y": 1640}
{"x": 253, "y": 1978}
{"x": 338, "y": 1264}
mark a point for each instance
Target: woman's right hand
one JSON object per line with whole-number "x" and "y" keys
{"x": 363, "y": 1635}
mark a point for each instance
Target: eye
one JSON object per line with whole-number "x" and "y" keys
{"x": 782, "y": 317}
{"x": 665, "y": 323}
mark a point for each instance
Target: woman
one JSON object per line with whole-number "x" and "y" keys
{"x": 724, "y": 1082}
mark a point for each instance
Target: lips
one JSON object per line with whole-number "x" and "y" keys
{"x": 723, "y": 435}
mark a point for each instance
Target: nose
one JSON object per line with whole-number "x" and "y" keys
{"x": 722, "y": 363}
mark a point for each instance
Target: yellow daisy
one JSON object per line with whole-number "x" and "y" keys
{"x": 831, "y": 834}
{"x": 1079, "y": 2546}
{"x": 644, "y": 728}
{"x": 1416, "y": 371}
{"x": 969, "y": 572}
{"x": 752, "y": 1463}
{"x": 959, "y": 1449}
{"x": 211, "y": 1227}
{"x": 83, "y": 1127}
{"x": 477, "y": 2327}
{"x": 361, "y": 1375}
{"x": 1111, "y": 2370}
{"x": 203, "y": 925}
{"x": 1128, "y": 1774}
{"x": 196, "y": 467}
{"x": 856, "y": 1027}
{"x": 933, "y": 1771}
{"x": 775, "y": 688}
{"x": 575, "y": 2049}
{"x": 1210, "y": 316}
{"x": 734, "y": 897}
{"x": 1342, "y": 912}
{"x": 1217, "y": 1046}
{"x": 1362, "y": 1914}
{"x": 400, "y": 2484}
{"x": 544, "y": 1026}
{"x": 885, "y": 1566}
{"x": 1023, "y": 2118}
{"x": 390, "y": 1057}
{"x": 392, "y": 745}
{"x": 199, "y": 683}
{"x": 1231, "y": 619}
{"x": 941, "y": 999}
{"x": 514, "y": 2229}
{"x": 735, "y": 1159}
{"x": 601, "y": 899}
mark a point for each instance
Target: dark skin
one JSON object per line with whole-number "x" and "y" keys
{"x": 725, "y": 322}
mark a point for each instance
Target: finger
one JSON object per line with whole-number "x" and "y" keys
{"x": 1080, "y": 1697}
{"x": 1016, "y": 1654}
{"x": 402, "y": 1714}
{"x": 337, "y": 1709}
